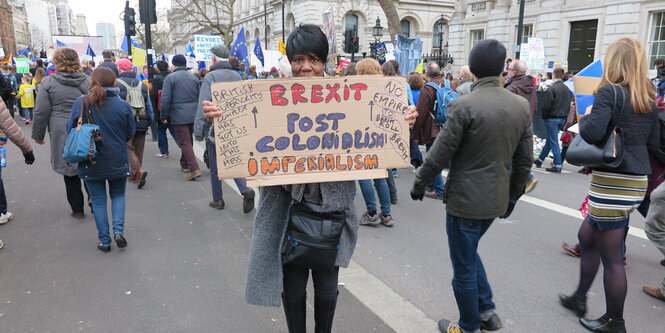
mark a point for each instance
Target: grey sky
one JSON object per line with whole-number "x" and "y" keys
{"x": 105, "y": 11}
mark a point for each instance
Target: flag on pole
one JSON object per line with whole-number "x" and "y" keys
{"x": 258, "y": 51}
{"x": 24, "y": 52}
{"x": 89, "y": 51}
{"x": 239, "y": 49}
{"x": 124, "y": 46}
{"x": 281, "y": 47}
{"x": 34, "y": 58}
{"x": 59, "y": 44}
{"x": 190, "y": 50}
{"x": 164, "y": 58}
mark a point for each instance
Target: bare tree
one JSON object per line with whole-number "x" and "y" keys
{"x": 390, "y": 9}
{"x": 203, "y": 16}
{"x": 160, "y": 33}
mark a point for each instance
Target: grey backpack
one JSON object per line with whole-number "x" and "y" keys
{"x": 134, "y": 98}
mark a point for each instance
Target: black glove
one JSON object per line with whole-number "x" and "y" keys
{"x": 417, "y": 194}
{"x": 29, "y": 158}
{"x": 511, "y": 206}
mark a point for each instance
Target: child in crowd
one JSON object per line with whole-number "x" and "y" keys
{"x": 27, "y": 96}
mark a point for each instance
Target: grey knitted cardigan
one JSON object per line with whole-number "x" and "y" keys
{"x": 264, "y": 273}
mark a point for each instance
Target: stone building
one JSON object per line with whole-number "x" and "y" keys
{"x": 39, "y": 22}
{"x": 574, "y": 32}
{"x": 263, "y": 18}
{"x": 7, "y": 39}
{"x": 81, "y": 25}
{"x": 21, "y": 27}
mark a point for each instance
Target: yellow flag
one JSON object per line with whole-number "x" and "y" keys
{"x": 281, "y": 47}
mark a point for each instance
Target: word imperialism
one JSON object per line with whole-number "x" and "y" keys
{"x": 327, "y": 162}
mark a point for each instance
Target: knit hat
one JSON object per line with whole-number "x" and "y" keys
{"x": 220, "y": 51}
{"x": 179, "y": 60}
{"x": 487, "y": 58}
{"x": 125, "y": 65}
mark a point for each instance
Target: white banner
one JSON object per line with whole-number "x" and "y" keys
{"x": 533, "y": 54}
{"x": 203, "y": 44}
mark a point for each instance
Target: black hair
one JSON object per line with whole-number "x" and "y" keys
{"x": 40, "y": 62}
{"x": 549, "y": 74}
{"x": 163, "y": 66}
{"x": 307, "y": 39}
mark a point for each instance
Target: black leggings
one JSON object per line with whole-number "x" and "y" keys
{"x": 605, "y": 245}
{"x": 74, "y": 193}
{"x": 295, "y": 282}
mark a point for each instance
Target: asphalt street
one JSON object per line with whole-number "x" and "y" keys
{"x": 184, "y": 267}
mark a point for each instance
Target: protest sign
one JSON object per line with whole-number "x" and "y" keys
{"x": 203, "y": 44}
{"x": 329, "y": 30}
{"x": 22, "y": 65}
{"x": 304, "y": 130}
{"x": 533, "y": 53}
{"x": 138, "y": 57}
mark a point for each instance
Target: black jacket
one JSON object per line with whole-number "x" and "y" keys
{"x": 556, "y": 103}
{"x": 110, "y": 65}
{"x": 641, "y": 132}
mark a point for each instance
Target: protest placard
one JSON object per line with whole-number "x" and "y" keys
{"x": 22, "y": 65}
{"x": 203, "y": 44}
{"x": 138, "y": 57}
{"x": 533, "y": 54}
{"x": 304, "y": 130}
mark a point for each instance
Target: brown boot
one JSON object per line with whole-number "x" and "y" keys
{"x": 571, "y": 250}
{"x": 193, "y": 175}
{"x": 654, "y": 292}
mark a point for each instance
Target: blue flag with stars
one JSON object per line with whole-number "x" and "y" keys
{"x": 258, "y": 51}
{"x": 89, "y": 51}
{"x": 239, "y": 49}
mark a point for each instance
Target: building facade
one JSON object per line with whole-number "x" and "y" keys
{"x": 39, "y": 23}
{"x": 574, "y": 32}
{"x": 263, "y": 18}
{"x": 21, "y": 27}
{"x": 81, "y": 25}
{"x": 107, "y": 31}
{"x": 7, "y": 39}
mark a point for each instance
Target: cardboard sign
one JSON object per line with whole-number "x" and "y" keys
{"x": 203, "y": 44}
{"x": 138, "y": 57}
{"x": 304, "y": 130}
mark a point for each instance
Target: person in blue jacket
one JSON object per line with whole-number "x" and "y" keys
{"x": 103, "y": 107}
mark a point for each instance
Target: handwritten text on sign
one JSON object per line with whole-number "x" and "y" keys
{"x": 203, "y": 44}
{"x": 311, "y": 130}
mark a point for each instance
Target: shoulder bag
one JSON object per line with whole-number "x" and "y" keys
{"x": 312, "y": 238}
{"x": 606, "y": 154}
{"x": 81, "y": 141}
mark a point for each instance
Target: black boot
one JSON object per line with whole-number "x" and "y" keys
{"x": 574, "y": 303}
{"x": 324, "y": 311}
{"x": 604, "y": 324}
{"x": 296, "y": 315}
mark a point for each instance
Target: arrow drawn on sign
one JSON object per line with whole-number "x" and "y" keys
{"x": 255, "y": 111}
{"x": 371, "y": 110}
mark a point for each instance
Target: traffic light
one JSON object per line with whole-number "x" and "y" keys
{"x": 351, "y": 44}
{"x": 148, "y": 11}
{"x": 130, "y": 22}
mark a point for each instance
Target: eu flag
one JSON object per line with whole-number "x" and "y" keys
{"x": 59, "y": 44}
{"x": 239, "y": 49}
{"x": 258, "y": 51}
{"x": 89, "y": 51}
{"x": 124, "y": 47}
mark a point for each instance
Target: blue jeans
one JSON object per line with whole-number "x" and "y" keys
{"x": 26, "y": 113}
{"x": 472, "y": 291}
{"x": 216, "y": 183}
{"x": 162, "y": 139}
{"x": 437, "y": 183}
{"x": 552, "y": 126}
{"x": 97, "y": 189}
{"x": 381, "y": 185}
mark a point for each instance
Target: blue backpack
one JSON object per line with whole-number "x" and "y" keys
{"x": 444, "y": 95}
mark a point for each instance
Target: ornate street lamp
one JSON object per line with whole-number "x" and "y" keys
{"x": 440, "y": 25}
{"x": 377, "y": 33}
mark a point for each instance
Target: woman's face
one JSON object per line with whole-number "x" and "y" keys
{"x": 306, "y": 65}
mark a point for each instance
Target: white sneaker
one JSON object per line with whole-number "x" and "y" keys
{"x": 6, "y": 217}
{"x": 1, "y": 243}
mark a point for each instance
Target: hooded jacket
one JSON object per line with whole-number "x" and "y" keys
{"x": 57, "y": 93}
{"x": 523, "y": 86}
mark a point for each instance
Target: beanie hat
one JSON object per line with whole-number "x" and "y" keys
{"x": 179, "y": 60}
{"x": 487, "y": 58}
{"x": 125, "y": 65}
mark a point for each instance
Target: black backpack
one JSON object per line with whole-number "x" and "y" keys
{"x": 5, "y": 85}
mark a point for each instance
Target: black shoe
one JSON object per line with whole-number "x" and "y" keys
{"x": 104, "y": 248}
{"x": 553, "y": 170}
{"x": 296, "y": 315}
{"x": 662, "y": 262}
{"x": 248, "y": 200}
{"x": 574, "y": 303}
{"x": 78, "y": 215}
{"x": 604, "y": 324}
{"x": 324, "y": 312}
{"x": 120, "y": 241}
{"x": 538, "y": 163}
{"x": 491, "y": 324}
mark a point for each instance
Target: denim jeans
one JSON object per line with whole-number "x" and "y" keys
{"x": 162, "y": 139}
{"x": 216, "y": 183}
{"x": 97, "y": 190}
{"x": 552, "y": 126}
{"x": 437, "y": 183}
{"x": 381, "y": 186}
{"x": 26, "y": 113}
{"x": 472, "y": 291}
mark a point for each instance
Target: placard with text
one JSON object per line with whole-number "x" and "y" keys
{"x": 304, "y": 130}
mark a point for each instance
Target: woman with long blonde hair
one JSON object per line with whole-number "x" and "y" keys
{"x": 625, "y": 99}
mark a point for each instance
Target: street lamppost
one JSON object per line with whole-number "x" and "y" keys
{"x": 440, "y": 25}
{"x": 377, "y": 33}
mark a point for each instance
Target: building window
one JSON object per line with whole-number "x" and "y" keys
{"x": 351, "y": 22}
{"x": 436, "y": 37}
{"x": 657, "y": 37}
{"x": 478, "y": 6}
{"x": 527, "y": 32}
{"x": 477, "y": 36}
{"x": 406, "y": 27}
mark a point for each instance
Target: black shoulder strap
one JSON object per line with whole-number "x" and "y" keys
{"x": 614, "y": 106}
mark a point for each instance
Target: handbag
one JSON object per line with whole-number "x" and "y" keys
{"x": 608, "y": 153}
{"x": 312, "y": 238}
{"x": 81, "y": 141}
